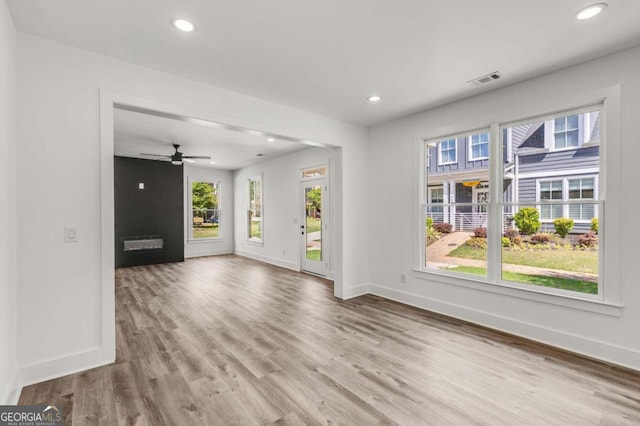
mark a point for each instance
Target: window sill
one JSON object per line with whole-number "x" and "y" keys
{"x": 206, "y": 240}
{"x": 255, "y": 242}
{"x": 600, "y": 307}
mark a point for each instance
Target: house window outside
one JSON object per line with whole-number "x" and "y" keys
{"x": 448, "y": 152}
{"x": 436, "y": 199}
{"x": 511, "y": 236}
{"x": 479, "y": 146}
{"x": 551, "y": 190}
{"x": 566, "y": 132}
{"x": 205, "y": 210}
{"x": 254, "y": 211}
{"x": 582, "y": 189}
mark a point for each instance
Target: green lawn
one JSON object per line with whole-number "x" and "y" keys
{"x": 313, "y": 224}
{"x": 555, "y": 282}
{"x": 256, "y": 229}
{"x": 313, "y": 254}
{"x": 564, "y": 260}
{"x": 206, "y": 232}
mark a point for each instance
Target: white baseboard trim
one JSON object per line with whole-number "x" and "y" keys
{"x": 270, "y": 260}
{"x": 11, "y": 394}
{"x": 595, "y": 349}
{"x": 351, "y": 292}
{"x": 63, "y": 366}
{"x": 194, "y": 251}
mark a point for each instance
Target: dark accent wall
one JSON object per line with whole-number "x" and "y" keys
{"x": 155, "y": 211}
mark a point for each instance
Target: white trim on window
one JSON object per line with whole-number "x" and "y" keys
{"x": 455, "y": 150}
{"x": 565, "y": 197}
{"x": 470, "y": 156}
{"x": 255, "y": 240}
{"x": 190, "y": 238}
{"x": 609, "y": 103}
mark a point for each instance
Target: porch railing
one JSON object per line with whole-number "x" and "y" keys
{"x": 467, "y": 221}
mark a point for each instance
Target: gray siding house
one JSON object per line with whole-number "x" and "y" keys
{"x": 556, "y": 160}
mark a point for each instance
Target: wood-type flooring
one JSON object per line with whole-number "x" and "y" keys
{"x": 226, "y": 340}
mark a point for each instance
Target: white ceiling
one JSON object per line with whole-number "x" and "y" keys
{"x": 136, "y": 133}
{"x": 328, "y": 56}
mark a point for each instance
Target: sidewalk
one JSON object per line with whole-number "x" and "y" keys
{"x": 437, "y": 256}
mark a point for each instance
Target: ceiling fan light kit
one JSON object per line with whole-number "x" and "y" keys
{"x": 177, "y": 158}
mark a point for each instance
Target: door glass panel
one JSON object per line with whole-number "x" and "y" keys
{"x": 313, "y": 213}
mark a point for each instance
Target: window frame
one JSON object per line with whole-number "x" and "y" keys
{"x": 455, "y": 150}
{"x": 249, "y": 238}
{"x": 470, "y": 147}
{"x": 190, "y": 238}
{"x": 565, "y": 196}
{"x": 608, "y": 300}
{"x": 584, "y": 136}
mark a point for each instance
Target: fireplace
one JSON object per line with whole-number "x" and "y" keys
{"x": 152, "y": 242}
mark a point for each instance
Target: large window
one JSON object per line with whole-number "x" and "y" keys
{"x": 254, "y": 212}
{"x": 456, "y": 207}
{"x": 205, "y": 210}
{"x": 529, "y": 219}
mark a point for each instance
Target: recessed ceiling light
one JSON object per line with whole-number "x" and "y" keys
{"x": 183, "y": 25}
{"x": 374, "y": 98}
{"x": 271, "y": 140}
{"x": 590, "y": 11}
{"x": 212, "y": 162}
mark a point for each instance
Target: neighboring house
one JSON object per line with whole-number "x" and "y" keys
{"x": 555, "y": 160}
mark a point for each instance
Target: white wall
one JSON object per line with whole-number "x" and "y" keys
{"x": 282, "y": 199}
{"x": 8, "y": 223}
{"x": 223, "y": 245}
{"x": 393, "y": 179}
{"x": 59, "y": 157}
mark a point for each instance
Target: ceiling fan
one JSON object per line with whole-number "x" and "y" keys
{"x": 177, "y": 158}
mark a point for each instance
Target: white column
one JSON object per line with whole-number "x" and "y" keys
{"x": 452, "y": 199}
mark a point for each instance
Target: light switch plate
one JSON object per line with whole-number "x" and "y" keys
{"x": 70, "y": 235}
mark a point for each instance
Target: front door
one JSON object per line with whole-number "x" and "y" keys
{"x": 313, "y": 230}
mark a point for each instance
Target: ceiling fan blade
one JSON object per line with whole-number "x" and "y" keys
{"x": 156, "y": 155}
{"x": 188, "y": 160}
{"x": 202, "y": 157}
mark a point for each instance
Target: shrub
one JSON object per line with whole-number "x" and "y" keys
{"x": 542, "y": 237}
{"x": 517, "y": 240}
{"x": 480, "y": 232}
{"x": 477, "y": 242}
{"x": 511, "y": 233}
{"x": 429, "y": 222}
{"x": 432, "y": 235}
{"x": 594, "y": 225}
{"x": 506, "y": 242}
{"x": 443, "y": 228}
{"x": 590, "y": 239}
{"x": 563, "y": 226}
{"x": 527, "y": 220}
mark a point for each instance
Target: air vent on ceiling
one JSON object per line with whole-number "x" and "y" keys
{"x": 485, "y": 79}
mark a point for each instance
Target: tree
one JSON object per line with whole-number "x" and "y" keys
{"x": 314, "y": 200}
{"x": 204, "y": 196}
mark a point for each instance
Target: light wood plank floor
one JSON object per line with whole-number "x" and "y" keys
{"x": 226, "y": 340}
